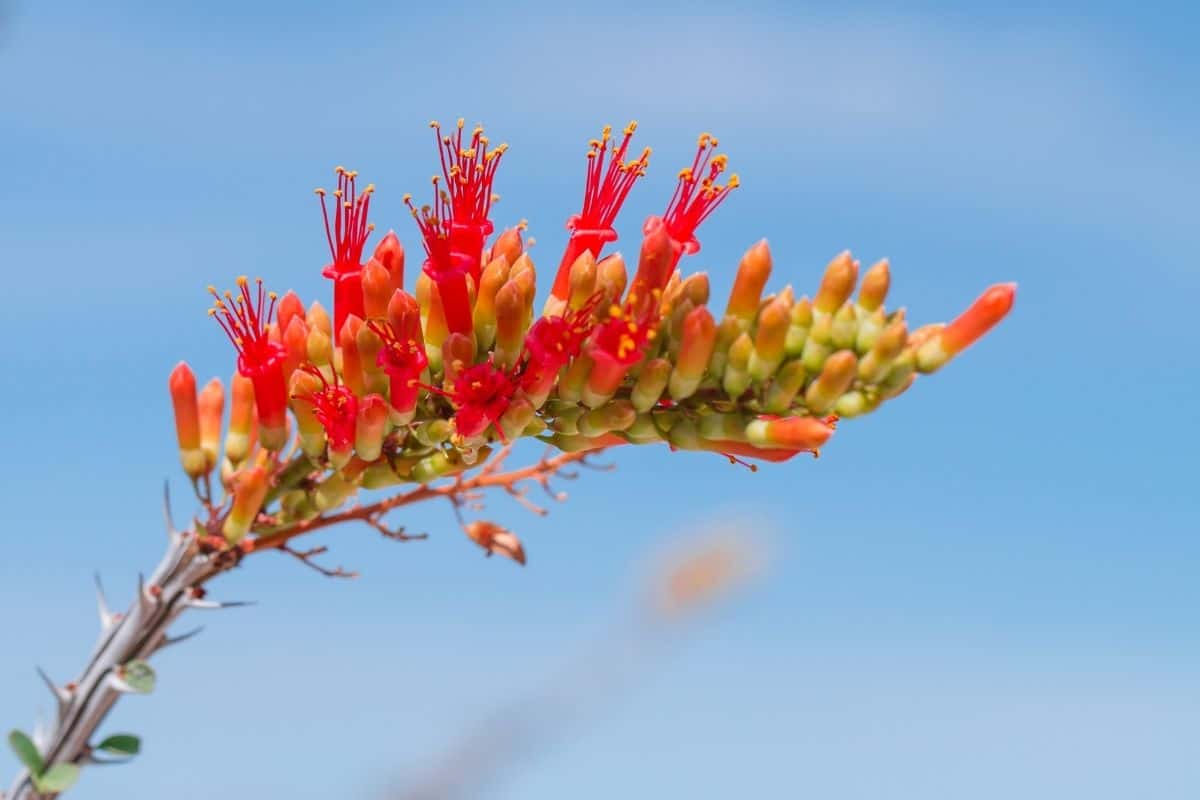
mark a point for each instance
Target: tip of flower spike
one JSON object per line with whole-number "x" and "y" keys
{"x": 987, "y": 310}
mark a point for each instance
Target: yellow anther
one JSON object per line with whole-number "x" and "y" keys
{"x": 606, "y": 132}
{"x": 406, "y": 199}
{"x": 614, "y": 311}
{"x": 593, "y": 142}
{"x": 212, "y": 312}
{"x": 272, "y": 296}
{"x": 495, "y": 198}
{"x": 461, "y": 122}
{"x": 734, "y": 181}
{"x": 719, "y": 161}
{"x": 337, "y": 192}
{"x": 631, "y": 127}
{"x": 352, "y": 174}
{"x": 370, "y": 188}
{"x": 339, "y": 169}
{"x": 242, "y": 281}
{"x": 685, "y": 174}
{"x": 320, "y": 192}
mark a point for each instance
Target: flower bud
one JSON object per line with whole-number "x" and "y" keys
{"x": 433, "y": 432}
{"x": 352, "y": 367}
{"x": 516, "y": 417}
{"x": 851, "y": 404}
{"x": 611, "y": 278}
{"x": 790, "y": 433}
{"x": 320, "y": 350}
{"x": 377, "y": 289}
{"x": 510, "y": 324}
{"x": 333, "y": 491}
{"x": 211, "y": 407}
{"x": 737, "y": 379}
{"x": 182, "y": 385}
{"x": 295, "y": 343}
{"x": 723, "y": 427}
{"x": 582, "y": 280}
{"x": 902, "y": 369}
{"x": 239, "y": 438}
{"x": 433, "y": 318}
{"x": 249, "y": 490}
{"x": 458, "y": 352}
{"x": 837, "y": 284}
{"x": 655, "y": 262}
{"x": 494, "y": 276}
{"x": 369, "y": 346}
{"x": 990, "y": 307}
{"x": 784, "y": 387}
{"x": 729, "y": 329}
{"x": 573, "y": 379}
{"x": 698, "y": 338}
{"x": 752, "y": 274}
{"x": 836, "y": 376}
{"x": 290, "y": 308}
{"x": 318, "y": 318}
{"x": 870, "y": 326}
{"x": 615, "y": 415}
{"x": 508, "y": 245}
{"x": 695, "y": 288}
{"x": 650, "y": 384}
{"x": 437, "y": 465}
{"x": 874, "y": 288}
{"x": 390, "y": 253}
{"x": 769, "y": 340}
{"x": 643, "y": 430}
{"x": 843, "y": 332}
{"x": 801, "y": 320}
{"x": 371, "y": 427}
{"x": 311, "y": 432}
{"x": 875, "y": 364}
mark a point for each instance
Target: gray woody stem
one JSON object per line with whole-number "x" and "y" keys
{"x": 173, "y": 587}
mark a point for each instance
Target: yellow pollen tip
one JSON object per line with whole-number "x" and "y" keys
{"x": 272, "y": 296}
{"x": 631, "y": 127}
{"x": 212, "y": 312}
{"x": 319, "y": 191}
{"x": 734, "y": 181}
{"x": 406, "y": 199}
{"x": 614, "y": 311}
{"x": 433, "y": 123}
{"x": 370, "y": 188}
{"x": 461, "y": 122}
{"x": 241, "y": 281}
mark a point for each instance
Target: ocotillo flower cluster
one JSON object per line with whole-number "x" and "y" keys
{"x": 401, "y": 386}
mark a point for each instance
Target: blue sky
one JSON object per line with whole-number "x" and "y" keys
{"x": 987, "y": 589}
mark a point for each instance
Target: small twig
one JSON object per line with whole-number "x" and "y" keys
{"x": 306, "y": 557}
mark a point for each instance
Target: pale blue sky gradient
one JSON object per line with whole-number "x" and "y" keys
{"x": 987, "y": 590}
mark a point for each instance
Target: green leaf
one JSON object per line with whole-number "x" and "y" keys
{"x": 58, "y": 778}
{"x": 28, "y": 754}
{"x": 121, "y": 744}
{"x": 139, "y": 675}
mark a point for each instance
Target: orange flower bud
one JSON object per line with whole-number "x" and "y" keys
{"x": 371, "y": 427}
{"x": 182, "y": 385}
{"x": 655, "y": 261}
{"x": 390, "y": 253}
{"x": 295, "y": 342}
{"x": 458, "y": 353}
{"x": 369, "y": 345}
{"x": 212, "y": 408}
{"x": 875, "y": 284}
{"x": 494, "y": 276}
{"x": 875, "y": 364}
{"x": 249, "y": 490}
{"x": 801, "y": 320}
{"x": 508, "y": 244}
{"x": 290, "y": 308}
{"x": 303, "y": 386}
{"x": 783, "y": 388}
{"x": 377, "y": 289}
{"x": 843, "y": 332}
{"x": 837, "y": 283}
{"x": 651, "y": 382}
{"x": 752, "y": 274}
{"x": 737, "y": 378}
{"x": 769, "y": 339}
{"x": 611, "y": 278}
{"x": 990, "y": 307}
{"x": 318, "y": 318}
{"x": 352, "y": 372}
{"x": 319, "y": 348}
{"x": 239, "y": 438}
{"x": 836, "y": 376}
{"x": 582, "y": 280}
{"x": 695, "y": 350}
{"x": 510, "y": 324}
{"x": 789, "y": 433}
{"x": 434, "y": 318}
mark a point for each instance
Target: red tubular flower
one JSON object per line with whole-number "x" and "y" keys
{"x": 448, "y": 272}
{"x": 347, "y": 235}
{"x": 551, "y": 343}
{"x": 336, "y": 408}
{"x": 697, "y": 195}
{"x": 481, "y": 394}
{"x": 245, "y": 319}
{"x": 402, "y": 357}
{"x": 604, "y": 192}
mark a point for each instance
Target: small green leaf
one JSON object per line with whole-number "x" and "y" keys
{"x": 57, "y": 779}
{"x": 140, "y": 676}
{"x": 28, "y": 754}
{"x": 121, "y": 744}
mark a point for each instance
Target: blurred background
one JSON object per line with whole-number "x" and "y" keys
{"x": 987, "y": 589}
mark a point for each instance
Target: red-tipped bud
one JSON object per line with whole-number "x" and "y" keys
{"x": 458, "y": 353}
{"x": 769, "y": 339}
{"x": 239, "y": 438}
{"x": 508, "y": 244}
{"x": 390, "y": 253}
{"x": 990, "y": 307}
{"x": 319, "y": 348}
{"x": 305, "y": 385}
{"x": 295, "y": 345}
{"x": 249, "y": 491}
{"x": 290, "y": 308}
{"x": 836, "y": 376}
{"x": 611, "y": 278}
{"x": 371, "y": 427}
{"x": 494, "y": 276}
{"x": 377, "y": 288}
{"x": 875, "y": 284}
{"x": 789, "y": 433}
{"x": 651, "y": 382}
{"x": 837, "y": 284}
{"x": 752, "y": 274}
{"x": 182, "y": 385}
{"x": 510, "y": 323}
{"x": 211, "y": 406}
{"x": 318, "y": 318}
{"x": 695, "y": 350}
{"x": 655, "y": 261}
{"x": 582, "y": 281}
{"x": 352, "y": 371}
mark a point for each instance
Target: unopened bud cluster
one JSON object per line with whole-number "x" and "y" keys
{"x": 404, "y": 385}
